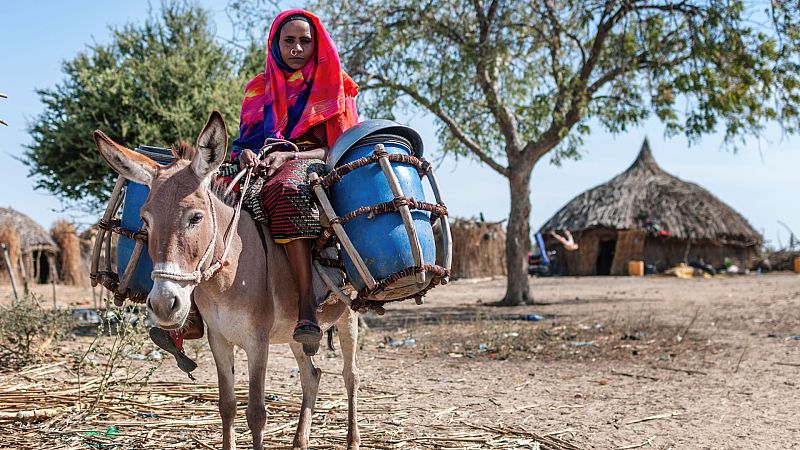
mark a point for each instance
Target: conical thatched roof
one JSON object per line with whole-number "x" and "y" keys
{"x": 645, "y": 191}
{"x": 32, "y": 235}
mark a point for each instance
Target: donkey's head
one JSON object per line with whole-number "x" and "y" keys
{"x": 178, "y": 214}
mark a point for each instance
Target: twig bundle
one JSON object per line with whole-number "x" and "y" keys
{"x": 478, "y": 249}
{"x": 10, "y": 237}
{"x": 72, "y": 271}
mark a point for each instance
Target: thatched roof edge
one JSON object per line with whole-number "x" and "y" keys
{"x": 646, "y": 195}
{"x": 33, "y": 237}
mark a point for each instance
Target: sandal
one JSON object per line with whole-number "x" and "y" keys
{"x": 174, "y": 346}
{"x": 308, "y": 333}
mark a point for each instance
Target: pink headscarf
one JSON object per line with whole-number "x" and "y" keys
{"x": 272, "y": 96}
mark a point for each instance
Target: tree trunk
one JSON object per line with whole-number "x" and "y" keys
{"x": 518, "y": 240}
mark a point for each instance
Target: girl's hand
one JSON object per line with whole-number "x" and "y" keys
{"x": 247, "y": 159}
{"x": 274, "y": 161}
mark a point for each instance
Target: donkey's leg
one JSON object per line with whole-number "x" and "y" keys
{"x": 309, "y": 380}
{"x": 257, "y": 356}
{"x": 348, "y": 340}
{"x": 223, "y": 358}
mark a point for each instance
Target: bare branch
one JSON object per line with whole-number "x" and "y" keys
{"x": 451, "y": 123}
{"x": 505, "y": 120}
{"x": 579, "y": 95}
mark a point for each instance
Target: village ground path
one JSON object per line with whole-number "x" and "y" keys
{"x": 614, "y": 362}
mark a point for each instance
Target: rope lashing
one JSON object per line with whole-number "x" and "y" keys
{"x": 394, "y": 205}
{"x": 422, "y": 166}
{"x": 363, "y": 301}
{"x": 115, "y": 226}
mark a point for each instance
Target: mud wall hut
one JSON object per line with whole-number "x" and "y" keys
{"x": 38, "y": 251}
{"x": 478, "y": 248}
{"x": 646, "y": 214}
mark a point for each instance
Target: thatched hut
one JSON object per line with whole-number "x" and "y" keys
{"x": 478, "y": 248}
{"x": 646, "y": 214}
{"x": 37, "y": 249}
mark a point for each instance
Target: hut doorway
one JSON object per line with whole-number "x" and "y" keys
{"x": 605, "y": 257}
{"x": 43, "y": 267}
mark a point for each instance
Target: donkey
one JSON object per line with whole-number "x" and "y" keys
{"x": 251, "y": 302}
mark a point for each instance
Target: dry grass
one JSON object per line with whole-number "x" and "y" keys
{"x": 71, "y": 266}
{"x": 46, "y": 407}
{"x": 640, "y": 338}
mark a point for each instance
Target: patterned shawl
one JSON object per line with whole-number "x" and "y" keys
{"x": 278, "y": 99}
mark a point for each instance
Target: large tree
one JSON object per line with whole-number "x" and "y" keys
{"x": 153, "y": 84}
{"x": 511, "y": 81}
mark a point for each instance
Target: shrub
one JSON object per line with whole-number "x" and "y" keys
{"x": 28, "y": 332}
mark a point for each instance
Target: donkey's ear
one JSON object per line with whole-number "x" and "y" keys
{"x": 212, "y": 145}
{"x": 127, "y": 163}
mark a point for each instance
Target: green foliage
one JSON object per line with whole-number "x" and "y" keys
{"x": 510, "y": 74}
{"x": 154, "y": 84}
{"x": 29, "y": 333}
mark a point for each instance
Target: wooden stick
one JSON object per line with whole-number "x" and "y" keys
{"x": 338, "y": 229}
{"x": 687, "y": 371}
{"x": 564, "y": 431}
{"x": 201, "y": 443}
{"x": 51, "y": 261}
{"x": 10, "y": 273}
{"x": 405, "y": 212}
{"x": 25, "y": 286}
{"x": 741, "y": 358}
{"x": 331, "y": 285}
{"x": 633, "y": 375}
{"x": 125, "y": 280}
{"x": 656, "y": 417}
{"x": 649, "y": 442}
{"x": 98, "y": 243}
{"x": 447, "y": 236}
{"x": 787, "y": 364}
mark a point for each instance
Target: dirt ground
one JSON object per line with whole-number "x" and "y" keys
{"x": 599, "y": 362}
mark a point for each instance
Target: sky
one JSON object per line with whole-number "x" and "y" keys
{"x": 760, "y": 180}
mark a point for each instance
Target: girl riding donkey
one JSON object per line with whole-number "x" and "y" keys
{"x": 303, "y": 96}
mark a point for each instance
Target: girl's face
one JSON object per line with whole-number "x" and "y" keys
{"x": 296, "y": 43}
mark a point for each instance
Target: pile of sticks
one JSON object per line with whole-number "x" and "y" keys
{"x": 49, "y": 407}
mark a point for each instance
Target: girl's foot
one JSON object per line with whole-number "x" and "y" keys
{"x": 308, "y": 333}
{"x": 172, "y": 343}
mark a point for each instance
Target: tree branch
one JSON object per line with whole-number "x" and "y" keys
{"x": 505, "y": 120}
{"x": 451, "y": 123}
{"x": 578, "y": 85}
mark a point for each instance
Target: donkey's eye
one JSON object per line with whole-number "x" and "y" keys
{"x": 196, "y": 218}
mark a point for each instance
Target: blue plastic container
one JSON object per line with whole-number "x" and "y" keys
{"x": 382, "y": 241}
{"x": 135, "y": 196}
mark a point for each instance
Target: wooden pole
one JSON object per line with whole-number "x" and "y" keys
{"x": 338, "y": 229}
{"x": 25, "y": 286}
{"x": 405, "y": 213}
{"x": 10, "y": 273}
{"x": 51, "y": 260}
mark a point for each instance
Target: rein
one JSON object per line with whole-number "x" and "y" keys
{"x": 199, "y": 275}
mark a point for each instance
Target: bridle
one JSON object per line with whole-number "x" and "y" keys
{"x": 199, "y": 274}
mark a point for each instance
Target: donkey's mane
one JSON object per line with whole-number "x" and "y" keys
{"x": 183, "y": 150}
{"x": 218, "y": 186}
{"x": 186, "y": 151}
